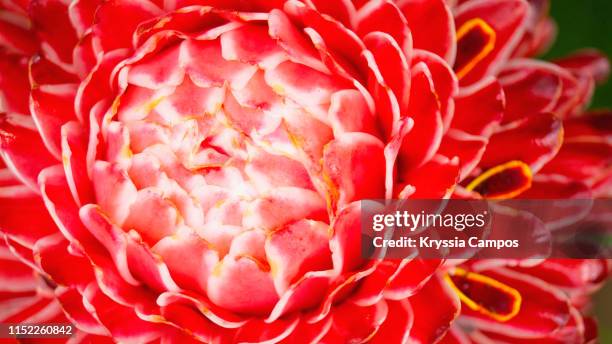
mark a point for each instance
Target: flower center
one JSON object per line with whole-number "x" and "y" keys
{"x": 222, "y": 141}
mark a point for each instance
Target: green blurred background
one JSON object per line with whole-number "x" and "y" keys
{"x": 584, "y": 23}
{"x": 588, "y": 23}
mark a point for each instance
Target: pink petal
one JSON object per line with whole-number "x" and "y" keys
{"x": 349, "y": 178}
{"x": 242, "y": 284}
{"x": 114, "y": 191}
{"x": 189, "y": 258}
{"x": 296, "y": 249}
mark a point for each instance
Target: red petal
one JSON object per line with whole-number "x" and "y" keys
{"x": 433, "y": 321}
{"x": 22, "y": 149}
{"x": 270, "y": 171}
{"x": 432, "y": 26}
{"x": 284, "y": 205}
{"x": 65, "y": 212}
{"x": 385, "y": 102}
{"x": 385, "y": 17}
{"x": 45, "y": 72}
{"x": 14, "y": 85}
{"x": 589, "y": 126}
{"x": 487, "y": 101}
{"x": 411, "y": 277}
{"x": 121, "y": 321}
{"x": 349, "y": 178}
{"x": 52, "y": 106}
{"x": 218, "y": 315}
{"x": 553, "y": 187}
{"x": 18, "y": 279}
{"x": 97, "y": 86}
{"x": 540, "y": 137}
{"x": 306, "y": 333}
{"x": 587, "y": 63}
{"x": 129, "y": 14}
{"x": 152, "y": 228}
{"x": 52, "y": 24}
{"x": 342, "y": 10}
{"x": 586, "y": 161}
{"x": 548, "y": 96}
{"x": 569, "y": 273}
{"x": 293, "y": 41}
{"x": 422, "y": 142}
{"x": 355, "y": 324}
{"x": 468, "y": 148}
{"x": 251, "y": 332}
{"x": 52, "y": 255}
{"x": 84, "y": 56}
{"x": 346, "y": 240}
{"x": 488, "y": 32}
{"x": 444, "y": 81}
{"x": 82, "y": 13}
{"x": 23, "y": 215}
{"x": 398, "y": 324}
{"x": 111, "y": 237}
{"x": 434, "y": 180}
{"x": 72, "y": 303}
{"x": 342, "y": 43}
{"x": 393, "y": 66}
{"x": 195, "y": 327}
{"x": 16, "y": 37}
{"x": 74, "y": 158}
{"x": 531, "y": 91}
{"x": 308, "y": 292}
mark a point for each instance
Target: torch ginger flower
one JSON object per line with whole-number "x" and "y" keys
{"x": 183, "y": 171}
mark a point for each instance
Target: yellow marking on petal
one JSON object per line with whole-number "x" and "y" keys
{"x": 217, "y": 108}
{"x": 279, "y": 89}
{"x": 263, "y": 266}
{"x": 473, "y": 305}
{"x": 499, "y": 169}
{"x": 333, "y": 193}
{"x": 65, "y": 160}
{"x": 156, "y": 318}
{"x": 273, "y": 268}
{"x": 161, "y": 23}
{"x": 33, "y": 84}
{"x": 150, "y": 106}
{"x": 296, "y": 141}
{"x": 126, "y": 152}
{"x": 466, "y": 28}
{"x": 216, "y": 271}
{"x": 115, "y": 105}
{"x": 219, "y": 203}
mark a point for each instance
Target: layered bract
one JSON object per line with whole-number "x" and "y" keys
{"x": 191, "y": 170}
